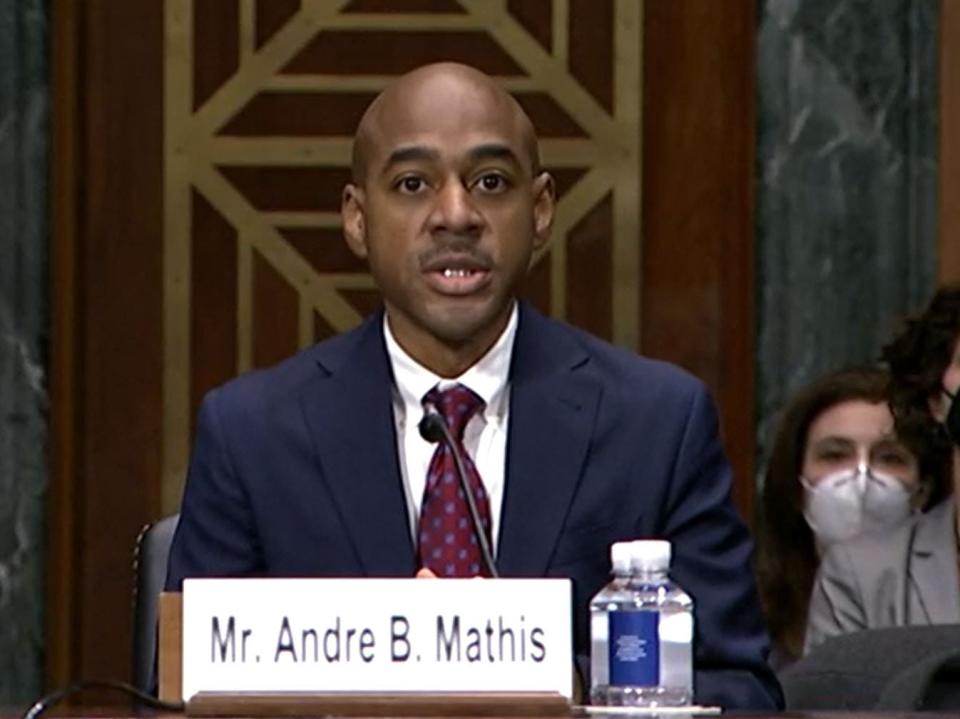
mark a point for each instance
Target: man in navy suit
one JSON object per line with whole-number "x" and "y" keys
{"x": 315, "y": 467}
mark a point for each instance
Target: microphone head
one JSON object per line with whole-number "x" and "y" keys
{"x": 432, "y": 425}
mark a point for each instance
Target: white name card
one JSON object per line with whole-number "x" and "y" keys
{"x": 377, "y": 635}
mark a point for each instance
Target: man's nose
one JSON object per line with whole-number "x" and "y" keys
{"x": 454, "y": 210}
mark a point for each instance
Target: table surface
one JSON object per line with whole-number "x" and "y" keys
{"x": 125, "y": 712}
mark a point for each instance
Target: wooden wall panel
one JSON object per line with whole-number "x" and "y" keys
{"x": 698, "y": 270}
{"x": 122, "y": 352}
{"x": 106, "y": 346}
{"x": 213, "y": 287}
{"x": 62, "y": 559}
{"x": 948, "y": 265}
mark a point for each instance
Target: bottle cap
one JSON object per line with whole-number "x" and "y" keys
{"x": 650, "y": 555}
{"x": 621, "y": 555}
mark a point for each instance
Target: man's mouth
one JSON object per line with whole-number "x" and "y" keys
{"x": 451, "y": 272}
{"x": 457, "y": 276}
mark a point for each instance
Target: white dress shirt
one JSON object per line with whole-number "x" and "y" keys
{"x": 484, "y": 437}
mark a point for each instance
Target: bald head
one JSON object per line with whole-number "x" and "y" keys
{"x": 448, "y": 206}
{"x": 424, "y": 99}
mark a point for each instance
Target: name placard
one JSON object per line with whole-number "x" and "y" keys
{"x": 377, "y": 635}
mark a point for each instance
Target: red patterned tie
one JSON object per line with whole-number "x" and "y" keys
{"x": 447, "y": 545}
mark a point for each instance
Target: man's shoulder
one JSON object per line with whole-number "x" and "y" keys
{"x": 613, "y": 364}
{"x": 287, "y": 377}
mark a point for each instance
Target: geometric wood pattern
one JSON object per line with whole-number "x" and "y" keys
{"x": 257, "y": 138}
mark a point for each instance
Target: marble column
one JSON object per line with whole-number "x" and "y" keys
{"x": 24, "y": 337}
{"x": 846, "y": 191}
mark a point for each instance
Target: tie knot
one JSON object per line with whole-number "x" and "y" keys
{"x": 457, "y": 404}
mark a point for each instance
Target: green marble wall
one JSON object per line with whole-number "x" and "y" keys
{"x": 846, "y": 184}
{"x": 24, "y": 336}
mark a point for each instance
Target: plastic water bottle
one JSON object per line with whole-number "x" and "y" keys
{"x": 641, "y": 631}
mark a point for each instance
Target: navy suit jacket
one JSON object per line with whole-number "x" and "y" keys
{"x": 295, "y": 473}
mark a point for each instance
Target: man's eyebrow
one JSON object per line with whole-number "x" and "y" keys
{"x": 494, "y": 150}
{"x": 409, "y": 153}
{"x": 485, "y": 151}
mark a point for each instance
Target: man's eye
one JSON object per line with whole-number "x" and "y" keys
{"x": 492, "y": 182}
{"x": 410, "y": 185}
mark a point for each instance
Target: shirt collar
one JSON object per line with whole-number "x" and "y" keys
{"x": 487, "y": 377}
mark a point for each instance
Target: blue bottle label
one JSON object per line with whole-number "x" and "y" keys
{"x": 634, "y": 649}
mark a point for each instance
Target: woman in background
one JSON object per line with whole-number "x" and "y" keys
{"x": 908, "y": 576}
{"x": 836, "y": 470}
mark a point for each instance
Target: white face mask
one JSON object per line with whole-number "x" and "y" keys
{"x": 853, "y": 501}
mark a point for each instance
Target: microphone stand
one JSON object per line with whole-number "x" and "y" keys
{"x": 433, "y": 427}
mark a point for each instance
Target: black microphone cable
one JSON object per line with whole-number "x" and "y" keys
{"x": 433, "y": 427}
{"x": 57, "y": 696}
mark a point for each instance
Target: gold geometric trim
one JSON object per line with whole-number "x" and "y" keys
{"x": 193, "y": 150}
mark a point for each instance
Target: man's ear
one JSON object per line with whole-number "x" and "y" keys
{"x": 354, "y": 223}
{"x": 544, "y": 207}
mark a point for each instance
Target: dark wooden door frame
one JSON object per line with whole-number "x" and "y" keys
{"x": 105, "y": 351}
{"x": 698, "y": 218}
{"x": 948, "y": 242}
{"x": 64, "y": 208}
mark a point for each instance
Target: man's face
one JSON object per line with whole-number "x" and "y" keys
{"x": 448, "y": 213}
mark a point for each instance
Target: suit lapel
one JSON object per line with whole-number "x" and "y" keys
{"x": 933, "y": 566}
{"x": 552, "y": 410}
{"x": 350, "y": 416}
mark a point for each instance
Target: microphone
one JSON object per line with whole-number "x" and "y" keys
{"x": 433, "y": 428}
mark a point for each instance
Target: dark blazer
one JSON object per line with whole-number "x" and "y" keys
{"x": 295, "y": 473}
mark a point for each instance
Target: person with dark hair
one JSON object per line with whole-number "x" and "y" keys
{"x": 908, "y": 576}
{"x": 836, "y": 470}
